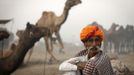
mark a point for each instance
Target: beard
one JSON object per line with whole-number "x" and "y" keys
{"x": 94, "y": 48}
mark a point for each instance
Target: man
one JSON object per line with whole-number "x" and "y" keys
{"x": 92, "y": 61}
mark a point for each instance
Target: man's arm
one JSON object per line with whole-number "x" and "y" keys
{"x": 68, "y": 66}
{"x": 72, "y": 64}
{"x": 88, "y": 69}
{"x": 81, "y": 65}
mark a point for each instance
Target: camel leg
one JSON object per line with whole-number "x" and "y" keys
{"x": 51, "y": 49}
{"x": 48, "y": 48}
{"x": 60, "y": 42}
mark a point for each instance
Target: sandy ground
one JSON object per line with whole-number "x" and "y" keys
{"x": 38, "y": 64}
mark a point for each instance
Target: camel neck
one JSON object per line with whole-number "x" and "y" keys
{"x": 64, "y": 15}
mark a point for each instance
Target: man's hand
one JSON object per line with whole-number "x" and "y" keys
{"x": 74, "y": 62}
{"x": 81, "y": 65}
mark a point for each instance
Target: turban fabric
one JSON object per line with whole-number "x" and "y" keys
{"x": 90, "y": 31}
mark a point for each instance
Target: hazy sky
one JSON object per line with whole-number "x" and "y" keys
{"x": 105, "y": 12}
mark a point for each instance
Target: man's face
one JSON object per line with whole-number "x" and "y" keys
{"x": 93, "y": 42}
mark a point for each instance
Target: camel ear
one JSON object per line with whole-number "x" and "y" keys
{"x": 28, "y": 25}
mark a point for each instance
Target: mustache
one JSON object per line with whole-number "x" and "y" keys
{"x": 93, "y": 48}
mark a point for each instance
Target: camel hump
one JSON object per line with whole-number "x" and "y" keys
{"x": 47, "y": 19}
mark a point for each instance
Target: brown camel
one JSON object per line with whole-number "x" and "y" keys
{"x": 8, "y": 52}
{"x": 4, "y": 34}
{"x": 109, "y": 35}
{"x": 54, "y": 23}
{"x": 30, "y": 35}
{"x": 19, "y": 33}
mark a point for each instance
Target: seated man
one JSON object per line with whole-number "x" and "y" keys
{"x": 93, "y": 61}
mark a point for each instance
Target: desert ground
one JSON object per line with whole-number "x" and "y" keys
{"x": 38, "y": 64}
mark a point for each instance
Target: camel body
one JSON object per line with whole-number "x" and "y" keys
{"x": 31, "y": 35}
{"x": 54, "y": 23}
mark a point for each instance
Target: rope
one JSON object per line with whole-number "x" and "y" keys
{"x": 44, "y": 72}
{"x": 12, "y": 24}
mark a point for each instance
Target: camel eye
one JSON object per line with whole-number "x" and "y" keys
{"x": 31, "y": 34}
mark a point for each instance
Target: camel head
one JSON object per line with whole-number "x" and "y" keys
{"x": 71, "y": 3}
{"x": 4, "y": 34}
{"x": 114, "y": 25}
{"x": 31, "y": 32}
{"x": 36, "y": 32}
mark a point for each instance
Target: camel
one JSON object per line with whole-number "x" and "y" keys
{"x": 54, "y": 23}
{"x": 121, "y": 38}
{"x": 30, "y": 35}
{"x": 7, "y": 40}
{"x": 4, "y": 34}
{"x": 125, "y": 37}
{"x": 8, "y": 52}
{"x": 109, "y": 35}
{"x": 19, "y": 33}
{"x": 129, "y": 37}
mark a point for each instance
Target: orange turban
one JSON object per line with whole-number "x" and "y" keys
{"x": 90, "y": 31}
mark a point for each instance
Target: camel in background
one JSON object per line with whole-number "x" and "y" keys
{"x": 30, "y": 35}
{"x": 4, "y": 34}
{"x": 54, "y": 23}
{"x": 110, "y": 37}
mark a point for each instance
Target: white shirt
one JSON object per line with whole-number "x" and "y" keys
{"x": 67, "y": 66}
